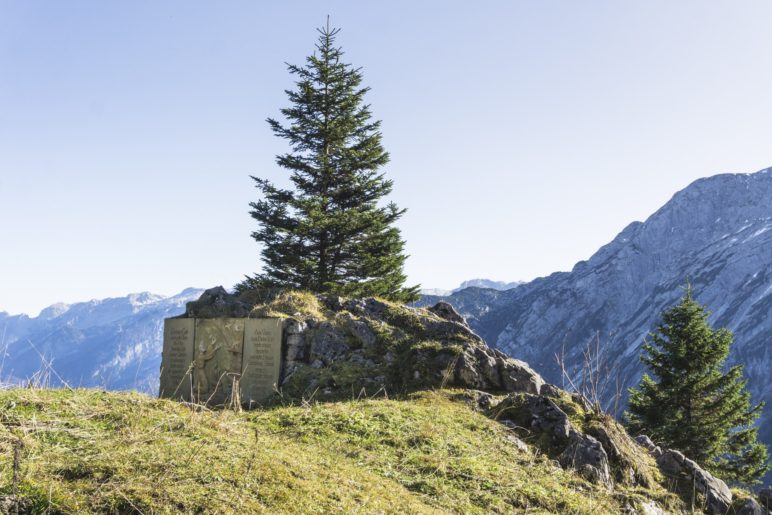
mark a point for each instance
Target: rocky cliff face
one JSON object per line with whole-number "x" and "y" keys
{"x": 717, "y": 233}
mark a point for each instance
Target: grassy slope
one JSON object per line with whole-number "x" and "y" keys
{"x": 92, "y": 451}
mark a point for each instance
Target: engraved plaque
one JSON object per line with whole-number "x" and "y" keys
{"x": 176, "y": 358}
{"x": 262, "y": 359}
{"x": 217, "y": 359}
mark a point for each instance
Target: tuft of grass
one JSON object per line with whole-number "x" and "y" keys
{"x": 292, "y": 303}
{"x": 88, "y": 451}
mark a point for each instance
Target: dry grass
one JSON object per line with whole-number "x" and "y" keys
{"x": 292, "y": 304}
{"x": 87, "y": 451}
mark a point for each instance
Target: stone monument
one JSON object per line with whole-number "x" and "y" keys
{"x": 221, "y": 361}
{"x": 177, "y": 358}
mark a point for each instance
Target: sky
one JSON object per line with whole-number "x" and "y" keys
{"x": 523, "y": 135}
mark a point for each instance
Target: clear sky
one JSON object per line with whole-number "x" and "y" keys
{"x": 523, "y": 134}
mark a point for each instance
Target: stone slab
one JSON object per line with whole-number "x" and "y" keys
{"x": 177, "y": 358}
{"x": 262, "y": 359}
{"x": 217, "y": 360}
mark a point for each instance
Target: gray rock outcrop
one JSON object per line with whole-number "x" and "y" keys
{"x": 718, "y": 497}
{"x": 752, "y": 507}
{"x": 216, "y": 303}
{"x": 586, "y": 455}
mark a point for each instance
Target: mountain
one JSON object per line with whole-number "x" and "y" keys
{"x": 113, "y": 343}
{"x": 715, "y": 233}
{"x": 487, "y": 283}
{"x": 473, "y": 283}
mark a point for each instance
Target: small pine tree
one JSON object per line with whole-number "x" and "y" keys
{"x": 329, "y": 234}
{"x": 691, "y": 404}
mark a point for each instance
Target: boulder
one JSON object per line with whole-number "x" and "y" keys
{"x": 217, "y": 303}
{"x": 718, "y": 497}
{"x": 751, "y": 507}
{"x": 537, "y": 414}
{"x": 586, "y": 455}
{"x": 447, "y": 312}
{"x": 517, "y": 376}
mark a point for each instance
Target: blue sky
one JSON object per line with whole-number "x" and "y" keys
{"x": 523, "y": 135}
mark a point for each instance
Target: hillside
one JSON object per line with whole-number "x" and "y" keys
{"x": 716, "y": 233}
{"x": 94, "y": 451}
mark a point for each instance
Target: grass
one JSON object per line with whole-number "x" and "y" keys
{"x": 87, "y": 451}
{"x": 291, "y": 304}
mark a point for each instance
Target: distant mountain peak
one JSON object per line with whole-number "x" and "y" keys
{"x": 716, "y": 232}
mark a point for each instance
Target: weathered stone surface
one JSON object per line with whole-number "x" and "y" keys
{"x": 751, "y": 507}
{"x": 586, "y": 455}
{"x": 328, "y": 344}
{"x": 717, "y": 494}
{"x": 537, "y": 414}
{"x": 447, "y": 312}
{"x": 261, "y": 361}
{"x": 217, "y": 359}
{"x": 177, "y": 358}
{"x": 361, "y": 332}
{"x": 216, "y": 303}
{"x": 550, "y": 390}
{"x": 517, "y": 376}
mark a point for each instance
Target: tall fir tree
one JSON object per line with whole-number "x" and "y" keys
{"x": 691, "y": 404}
{"x": 329, "y": 234}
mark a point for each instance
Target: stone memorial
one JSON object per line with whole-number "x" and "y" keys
{"x": 217, "y": 359}
{"x": 261, "y": 365}
{"x": 177, "y": 358}
{"x": 221, "y": 361}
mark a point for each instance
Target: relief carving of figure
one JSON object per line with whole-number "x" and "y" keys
{"x": 202, "y": 369}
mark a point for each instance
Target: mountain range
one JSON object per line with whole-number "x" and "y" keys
{"x": 716, "y": 234}
{"x": 112, "y": 343}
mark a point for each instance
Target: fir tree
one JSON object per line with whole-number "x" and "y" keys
{"x": 690, "y": 403}
{"x": 329, "y": 233}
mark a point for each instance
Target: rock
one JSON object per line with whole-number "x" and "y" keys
{"x": 517, "y": 376}
{"x": 751, "y": 507}
{"x": 765, "y": 497}
{"x": 448, "y": 312}
{"x": 328, "y": 344}
{"x": 535, "y": 413}
{"x": 217, "y": 303}
{"x": 586, "y": 455}
{"x": 645, "y": 442}
{"x": 357, "y": 358}
{"x": 518, "y": 443}
{"x": 550, "y": 390}
{"x": 369, "y": 307}
{"x": 468, "y": 372}
{"x": 651, "y": 508}
{"x": 294, "y": 340}
{"x": 717, "y": 494}
{"x": 361, "y": 332}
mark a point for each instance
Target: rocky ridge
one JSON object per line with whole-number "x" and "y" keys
{"x": 337, "y": 348}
